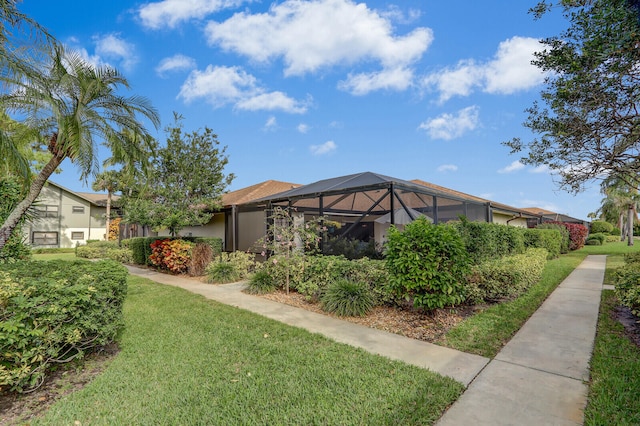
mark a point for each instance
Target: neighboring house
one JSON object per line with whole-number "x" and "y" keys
{"x": 549, "y": 216}
{"x": 64, "y": 218}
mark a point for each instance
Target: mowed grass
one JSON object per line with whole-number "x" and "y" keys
{"x": 488, "y": 331}
{"x": 615, "y": 372}
{"x": 187, "y": 360}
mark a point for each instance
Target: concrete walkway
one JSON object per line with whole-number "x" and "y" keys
{"x": 539, "y": 377}
{"x": 460, "y": 366}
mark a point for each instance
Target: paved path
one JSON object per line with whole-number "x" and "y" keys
{"x": 461, "y": 366}
{"x": 539, "y": 377}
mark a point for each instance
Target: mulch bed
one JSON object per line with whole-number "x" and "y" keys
{"x": 630, "y": 322}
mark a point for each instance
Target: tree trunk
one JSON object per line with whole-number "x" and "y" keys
{"x": 108, "y": 214}
{"x": 630, "y": 222}
{"x": 34, "y": 190}
{"x": 621, "y": 225}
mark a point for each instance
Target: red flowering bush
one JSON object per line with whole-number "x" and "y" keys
{"x": 577, "y": 234}
{"x": 172, "y": 255}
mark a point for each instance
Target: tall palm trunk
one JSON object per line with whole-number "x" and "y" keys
{"x": 630, "y": 216}
{"x": 108, "y": 214}
{"x": 13, "y": 219}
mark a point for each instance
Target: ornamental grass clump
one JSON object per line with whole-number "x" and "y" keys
{"x": 348, "y": 299}
{"x": 261, "y": 283}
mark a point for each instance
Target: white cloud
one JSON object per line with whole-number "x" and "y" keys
{"x": 541, "y": 169}
{"x": 303, "y": 128}
{"x": 389, "y": 79}
{"x": 513, "y": 167}
{"x": 271, "y": 124}
{"x": 272, "y": 101}
{"x": 111, "y": 47}
{"x": 326, "y": 148}
{"x": 170, "y": 13}
{"x": 447, "y": 168}
{"x": 509, "y": 71}
{"x": 312, "y": 35}
{"x": 175, "y": 63}
{"x": 220, "y": 86}
{"x": 395, "y": 14}
{"x": 448, "y": 126}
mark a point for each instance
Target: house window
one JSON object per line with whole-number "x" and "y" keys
{"x": 77, "y": 235}
{"x": 46, "y": 211}
{"x": 77, "y": 209}
{"x": 44, "y": 238}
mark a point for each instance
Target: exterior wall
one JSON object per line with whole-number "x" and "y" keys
{"x": 502, "y": 219}
{"x": 215, "y": 228}
{"x": 251, "y": 227}
{"x": 71, "y": 218}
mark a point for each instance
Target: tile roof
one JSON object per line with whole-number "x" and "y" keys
{"x": 254, "y": 192}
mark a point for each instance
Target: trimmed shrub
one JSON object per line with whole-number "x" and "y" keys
{"x": 96, "y": 249}
{"x": 137, "y": 250}
{"x": 505, "y": 278}
{"x": 593, "y": 242}
{"x": 616, "y": 231}
{"x": 54, "y": 312}
{"x": 627, "y": 282}
{"x": 348, "y": 298}
{"x": 601, "y": 227}
{"x": 260, "y": 283}
{"x": 612, "y": 238}
{"x": 427, "y": 264}
{"x": 577, "y": 234}
{"x": 600, "y": 237}
{"x": 171, "y": 255}
{"x": 564, "y": 232}
{"x": 549, "y": 239}
{"x": 490, "y": 240}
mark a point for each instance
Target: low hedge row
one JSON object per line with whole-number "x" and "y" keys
{"x": 505, "y": 278}
{"x": 141, "y": 249}
{"x": 54, "y": 312}
{"x": 627, "y": 282}
{"x": 104, "y": 250}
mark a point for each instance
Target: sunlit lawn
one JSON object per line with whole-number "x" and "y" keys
{"x": 187, "y": 360}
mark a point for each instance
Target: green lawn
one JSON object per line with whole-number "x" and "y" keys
{"x": 55, "y": 255}
{"x": 188, "y": 360}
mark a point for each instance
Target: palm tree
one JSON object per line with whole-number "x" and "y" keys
{"x": 74, "y": 104}
{"x": 108, "y": 180}
{"x": 621, "y": 199}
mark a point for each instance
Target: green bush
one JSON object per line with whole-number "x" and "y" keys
{"x": 549, "y": 239}
{"x": 601, "y": 227}
{"x": 16, "y": 247}
{"x": 260, "y": 283}
{"x": 348, "y": 298}
{"x": 505, "y": 278}
{"x": 137, "y": 250}
{"x": 427, "y": 263}
{"x": 96, "y": 249}
{"x": 616, "y": 232}
{"x": 490, "y": 240}
{"x": 231, "y": 267}
{"x": 564, "y": 247}
{"x": 600, "y": 237}
{"x": 53, "y": 312}
{"x": 121, "y": 255}
{"x": 627, "y": 282}
{"x": 214, "y": 242}
{"x": 612, "y": 238}
{"x": 593, "y": 242}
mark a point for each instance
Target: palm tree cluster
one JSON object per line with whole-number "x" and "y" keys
{"x": 620, "y": 205}
{"x": 67, "y": 104}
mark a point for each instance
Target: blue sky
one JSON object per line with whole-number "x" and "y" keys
{"x": 303, "y": 90}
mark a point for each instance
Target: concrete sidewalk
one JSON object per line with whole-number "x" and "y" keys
{"x": 460, "y": 366}
{"x": 539, "y": 376}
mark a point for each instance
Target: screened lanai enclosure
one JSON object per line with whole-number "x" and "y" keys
{"x": 358, "y": 207}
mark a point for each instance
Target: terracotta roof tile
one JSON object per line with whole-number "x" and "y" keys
{"x": 254, "y": 192}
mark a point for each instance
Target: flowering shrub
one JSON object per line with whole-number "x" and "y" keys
{"x": 114, "y": 229}
{"x": 577, "y": 234}
{"x": 172, "y": 255}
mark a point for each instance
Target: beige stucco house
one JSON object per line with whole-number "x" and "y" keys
{"x": 65, "y": 218}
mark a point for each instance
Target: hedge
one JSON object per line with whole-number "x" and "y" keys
{"x": 141, "y": 246}
{"x": 549, "y": 239}
{"x": 505, "y": 278}
{"x": 485, "y": 241}
{"x": 54, "y": 312}
{"x": 600, "y": 226}
{"x": 627, "y": 282}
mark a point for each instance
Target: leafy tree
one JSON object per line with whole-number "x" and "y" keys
{"x": 588, "y": 123}
{"x": 72, "y": 103}
{"x": 185, "y": 182}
